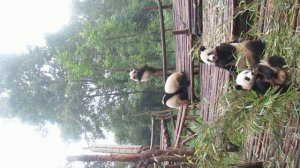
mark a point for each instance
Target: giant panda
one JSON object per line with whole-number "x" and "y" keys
{"x": 225, "y": 55}
{"x": 265, "y": 75}
{"x": 176, "y": 90}
{"x": 175, "y": 82}
{"x": 142, "y": 74}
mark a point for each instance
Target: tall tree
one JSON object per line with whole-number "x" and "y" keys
{"x": 78, "y": 81}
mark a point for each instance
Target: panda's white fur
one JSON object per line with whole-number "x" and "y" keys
{"x": 265, "y": 75}
{"x": 226, "y": 55}
{"x": 145, "y": 77}
{"x": 175, "y": 101}
{"x": 245, "y": 79}
{"x": 175, "y": 81}
{"x": 209, "y": 56}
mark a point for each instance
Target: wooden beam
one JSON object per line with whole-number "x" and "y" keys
{"x": 152, "y": 132}
{"x": 185, "y": 31}
{"x": 157, "y": 8}
{"x": 163, "y": 39}
{"x": 181, "y": 124}
{"x": 132, "y": 157}
{"x": 162, "y": 135}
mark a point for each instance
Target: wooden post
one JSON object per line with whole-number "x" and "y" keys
{"x": 163, "y": 39}
{"x": 177, "y": 125}
{"x": 133, "y": 157}
{"x": 152, "y": 132}
{"x": 181, "y": 124}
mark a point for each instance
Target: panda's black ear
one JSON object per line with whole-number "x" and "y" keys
{"x": 238, "y": 87}
{"x": 128, "y": 70}
{"x": 202, "y": 48}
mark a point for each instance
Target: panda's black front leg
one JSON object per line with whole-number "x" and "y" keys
{"x": 261, "y": 86}
{"x": 266, "y": 72}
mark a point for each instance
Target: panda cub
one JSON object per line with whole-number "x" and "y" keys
{"x": 176, "y": 90}
{"x": 225, "y": 55}
{"x": 143, "y": 74}
{"x": 264, "y": 76}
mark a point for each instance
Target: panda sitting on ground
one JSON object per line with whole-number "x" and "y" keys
{"x": 176, "y": 91}
{"x": 265, "y": 75}
{"x": 225, "y": 55}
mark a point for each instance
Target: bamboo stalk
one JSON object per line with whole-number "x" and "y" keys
{"x": 259, "y": 144}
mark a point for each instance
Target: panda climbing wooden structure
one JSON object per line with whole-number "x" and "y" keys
{"x": 176, "y": 90}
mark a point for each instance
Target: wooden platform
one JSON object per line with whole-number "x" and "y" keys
{"x": 212, "y": 81}
{"x": 217, "y": 28}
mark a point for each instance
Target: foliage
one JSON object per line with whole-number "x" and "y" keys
{"x": 101, "y": 50}
{"x": 80, "y": 80}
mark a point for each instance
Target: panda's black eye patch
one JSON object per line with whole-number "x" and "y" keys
{"x": 133, "y": 77}
{"x": 210, "y": 53}
{"x": 247, "y": 79}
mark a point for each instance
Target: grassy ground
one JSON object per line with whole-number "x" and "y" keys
{"x": 247, "y": 114}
